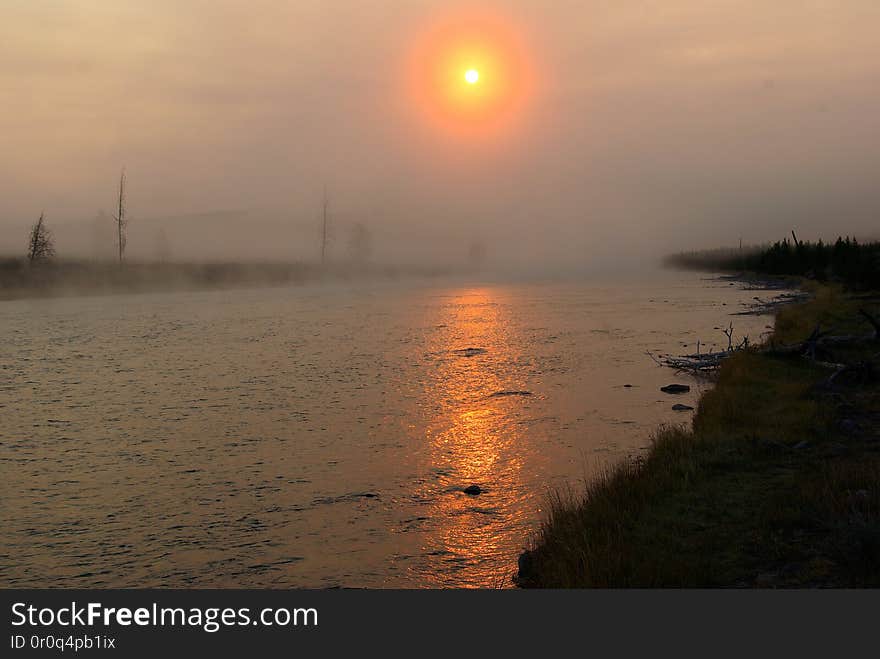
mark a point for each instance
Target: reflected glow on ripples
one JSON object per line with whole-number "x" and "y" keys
{"x": 473, "y": 440}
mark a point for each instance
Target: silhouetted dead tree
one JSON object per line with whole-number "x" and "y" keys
{"x": 476, "y": 255}
{"x": 729, "y": 334}
{"x": 120, "y": 218}
{"x": 360, "y": 243}
{"x": 41, "y": 245}
{"x": 325, "y": 205}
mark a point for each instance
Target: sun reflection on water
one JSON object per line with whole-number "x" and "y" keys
{"x": 473, "y": 439}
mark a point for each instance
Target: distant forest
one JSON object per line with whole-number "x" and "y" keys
{"x": 846, "y": 260}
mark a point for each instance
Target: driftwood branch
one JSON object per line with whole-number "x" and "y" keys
{"x": 729, "y": 334}
{"x": 815, "y": 348}
{"x": 819, "y": 339}
{"x": 874, "y": 323}
{"x": 761, "y": 307}
{"x": 702, "y": 363}
{"x": 863, "y": 371}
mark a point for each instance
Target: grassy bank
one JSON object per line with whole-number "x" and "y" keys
{"x": 776, "y": 484}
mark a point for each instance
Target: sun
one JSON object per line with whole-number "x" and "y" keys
{"x": 471, "y": 74}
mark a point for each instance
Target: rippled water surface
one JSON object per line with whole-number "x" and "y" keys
{"x": 322, "y": 436}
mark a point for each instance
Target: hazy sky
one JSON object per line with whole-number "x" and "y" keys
{"x": 651, "y": 124}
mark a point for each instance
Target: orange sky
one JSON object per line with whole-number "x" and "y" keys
{"x": 634, "y": 123}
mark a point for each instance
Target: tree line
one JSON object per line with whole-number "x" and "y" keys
{"x": 846, "y": 260}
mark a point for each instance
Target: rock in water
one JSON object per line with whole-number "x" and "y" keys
{"x": 473, "y": 490}
{"x": 682, "y": 408}
{"x": 675, "y": 389}
{"x": 503, "y": 394}
{"x": 526, "y": 567}
{"x": 470, "y": 352}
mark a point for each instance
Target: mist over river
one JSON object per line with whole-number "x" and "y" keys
{"x": 322, "y": 435}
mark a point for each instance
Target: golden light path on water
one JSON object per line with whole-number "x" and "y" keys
{"x": 472, "y": 437}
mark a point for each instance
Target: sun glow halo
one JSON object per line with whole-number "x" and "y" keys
{"x": 470, "y": 75}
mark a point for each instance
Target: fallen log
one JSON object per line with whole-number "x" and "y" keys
{"x": 874, "y": 323}
{"x": 762, "y": 307}
{"x": 696, "y": 365}
{"x": 819, "y": 339}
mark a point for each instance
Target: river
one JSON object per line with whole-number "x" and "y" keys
{"x": 322, "y": 435}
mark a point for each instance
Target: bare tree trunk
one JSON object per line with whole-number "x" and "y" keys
{"x": 120, "y": 218}
{"x": 324, "y": 229}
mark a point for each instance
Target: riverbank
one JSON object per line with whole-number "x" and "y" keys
{"x": 63, "y": 278}
{"x": 776, "y": 484}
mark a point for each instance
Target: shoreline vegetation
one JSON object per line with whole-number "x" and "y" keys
{"x": 846, "y": 261}
{"x": 20, "y": 278}
{"x": 777, "y": 481}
